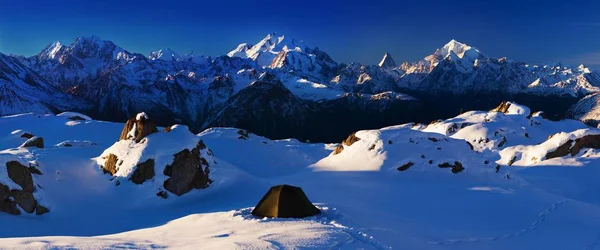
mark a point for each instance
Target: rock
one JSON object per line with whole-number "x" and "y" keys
{"x": 67, "y": 145}
{"x": 25, "y": 200}
{"x": 138, "y": 127}
{"x": 163, "y": 194}
{"x": 143, "y": 171}
{"x": 37, "y": 142}
{"x": 244, "y": 134}
{"x": 6, "y": 204}
{"x": 167, "y": 129}
{"x": 457, "y": 167}
{"x": 110, "y": 165}
{"x": 338, "y": 149}
{"x": 432, "y": 139}
{"x": 372, "y": 147}
{"x": 76, "y": 118}
{"x": 405, "y": 166}
{"x": 20, "y": 175}
{"x": 39, "y": 210}
{"x": 27, "y": 135}
{"x": 497, "y": 168}
{"x": 574, "y": 147}
{"x": 34, "y": 170}
{"x": 501, "y": 144}
{"x": 502, "y": 108}
{"x": 350, "y": 140}
{"x": 470, "y": 145}
{"x": 188, "y": 170}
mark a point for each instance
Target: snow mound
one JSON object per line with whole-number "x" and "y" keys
{"x": 161, "y": 148}
{"x": 505, "y": 126}
{"x": 558, "y": 145}
{"x": 399, "y": 148}
{"x": 254, "y": 154}
{"x": 74, "y": 116}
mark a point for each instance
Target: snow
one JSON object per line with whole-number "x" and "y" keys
{"x": 141, "y": 116}
{"x": 366, "y": 202}
{"x": 158, "y": 146}
{"x": 74, "y": 115}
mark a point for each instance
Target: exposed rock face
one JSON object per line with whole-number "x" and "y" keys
{"x": 573, "y": 147}
{"x": 37, "y": 142}
{"x": 244, "y": 134}
{"x": 138, "y": 127}
{"x": 27, "y": 135}
{"x": 351, "y": 140}
{"x": 20, "y": 175}
{"x": 39, "y": 210}
{"x": 6, "y": 204}
{"x": 347, "y": 142}
{"x": 502, "y": 108}
{"x": 188, "y": 170}
{"x": 24, "y": 198}
{"x": 110, "y": 166}
{"x": 144, "y": 171}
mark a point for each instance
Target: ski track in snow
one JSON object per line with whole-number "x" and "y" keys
{"x": 541, "y": 218}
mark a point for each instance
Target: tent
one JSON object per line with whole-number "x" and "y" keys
{"x": 285, "y": 201}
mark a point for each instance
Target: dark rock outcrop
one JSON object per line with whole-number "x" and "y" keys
{"x": 37, "y": 142}
{"x": 27, "y": 135}
{"x": 405, "y": 166}
{"x": 188, "y": 171}
{"x": 142, "y": 128}
{"x": 457, "y": 167}
{"x": 574, "y": 147}
{"x": 20, "y": 175}
{"x": 24, "y": 198}
{"x": 143, "y": 171}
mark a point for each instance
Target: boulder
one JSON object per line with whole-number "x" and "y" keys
{"x": 138, "y": 127}
{"x": 405, "y": 166}
{"x": 39, "y": 210}
{"x": 457, "y": 167}
{"x": 7, "y": 205}
{"x": 35, "y": 141}
{"x": 25, "y": 200}
{"x": 188, "y": 171}
{"x": 27, "y": 135}
{"x": 20, "y": 175}
{"x": 143, "y": 171}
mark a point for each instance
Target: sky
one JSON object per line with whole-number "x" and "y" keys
{"x": 537, "y": 32}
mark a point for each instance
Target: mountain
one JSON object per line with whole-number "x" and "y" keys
{"x": 193, "y": 89}
{"x": 22, "y": 90}
{"x": 387, "y": 61}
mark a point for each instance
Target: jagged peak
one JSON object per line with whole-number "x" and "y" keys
{"x": 164, "y": 54}
{"x": 387, "y": 61}
{"x": 460, "y": 49}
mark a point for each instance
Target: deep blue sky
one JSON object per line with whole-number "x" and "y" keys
{"x": 531, "y": 31}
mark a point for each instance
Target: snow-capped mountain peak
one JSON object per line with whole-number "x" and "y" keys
{"x": 51, "y": 50}
{"x": 387, "y": 61}
{"x": 165, "y": 55}
{"x": 266, "y": 49}
{"x": 461, "y": 50}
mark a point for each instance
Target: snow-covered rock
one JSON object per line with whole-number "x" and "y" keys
{"x": 176, "y": 161}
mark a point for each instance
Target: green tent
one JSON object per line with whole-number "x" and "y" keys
{"x": 285, "y": 201}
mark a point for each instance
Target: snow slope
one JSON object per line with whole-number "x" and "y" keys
{"x": 366, "y": 202}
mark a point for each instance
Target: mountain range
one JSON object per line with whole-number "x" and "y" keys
{"x": 280, "y": 87}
